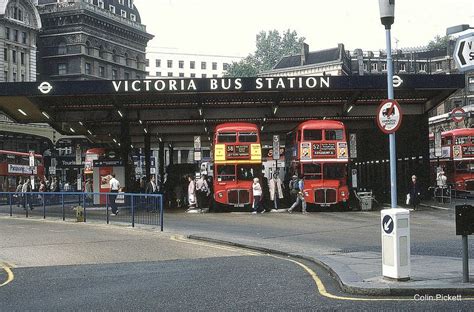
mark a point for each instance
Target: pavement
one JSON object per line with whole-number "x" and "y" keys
{"x": 360, "y": 272}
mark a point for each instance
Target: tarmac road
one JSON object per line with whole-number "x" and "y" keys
{"x": 69, "y": 266}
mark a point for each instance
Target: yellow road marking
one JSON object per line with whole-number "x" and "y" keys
{"x": 10, "y": 275}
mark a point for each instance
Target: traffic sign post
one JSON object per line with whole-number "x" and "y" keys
{"x": 464, "y": 52}
{"x": 276, "y": 150}
{"x": 389, "y": 116}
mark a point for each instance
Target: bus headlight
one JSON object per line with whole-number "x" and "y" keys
{"x": 306, "y": 194}
{"x": 220, "y": 195}
{"x": 343, "y": 194}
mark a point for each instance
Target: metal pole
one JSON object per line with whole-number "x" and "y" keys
{"x": 161, "y": 212}
{"x": 62, "y": 207}
{"x": 393, "y": 154}
{"x": 84, "y": 205}
{"x": 44, "y": 206}
{"x": 11, "y": 208}
{"x": 133, "y": 211}
{"x": 107, "y": 206}
{"x": 465, "y": 260}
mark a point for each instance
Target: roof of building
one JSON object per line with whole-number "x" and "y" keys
{"x": 314, "y": 57}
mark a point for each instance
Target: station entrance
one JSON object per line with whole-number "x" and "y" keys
{"x": 169, "y": 113}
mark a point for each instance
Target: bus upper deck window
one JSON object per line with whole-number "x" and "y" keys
{"x": 462, "y": 140}
{"x": 333, "y": 135}
{"x": 226, "y": 137}
{"x": 248, "y": 137}
{"x": 312, "y": 135}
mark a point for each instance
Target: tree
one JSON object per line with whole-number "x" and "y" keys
{"x": 270, "y": 48}
{"x": 439, "y": 43}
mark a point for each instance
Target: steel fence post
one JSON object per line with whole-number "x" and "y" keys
{"x": 161, "y": 212}
{"x": 133, "y": 211}
{"x": 44, "y": 205}
{"x": 11, "y": 208}
{"x": 26, "y": 203}
{"x": 107, "y": 206}
{"x": 84, "y": 204}
{"x": 62, "y": 206}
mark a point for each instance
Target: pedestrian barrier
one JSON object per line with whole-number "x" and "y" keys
{"x": 111, "y": 207}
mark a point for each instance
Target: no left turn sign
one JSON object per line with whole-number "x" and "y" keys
{"x": 389, "y": 116}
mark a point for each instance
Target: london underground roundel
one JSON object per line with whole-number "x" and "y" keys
{"x": 389, "y": 116}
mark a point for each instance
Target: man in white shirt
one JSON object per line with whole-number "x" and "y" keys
{"x": 114, "y": 188}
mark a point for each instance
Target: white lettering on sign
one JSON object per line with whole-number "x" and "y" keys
{"x": 20, "y": 169}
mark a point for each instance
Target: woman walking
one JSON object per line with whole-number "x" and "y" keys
{"x": 257, "y": 196}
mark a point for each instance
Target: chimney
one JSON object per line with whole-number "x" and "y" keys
{"x": 304, "y": 54}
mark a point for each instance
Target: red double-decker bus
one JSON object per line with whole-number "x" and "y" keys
{"x": 318, "y": 151}
{"x": 457, "y": 159}
{"x": 14, "y": 165}
{"x": 237, "y": 160}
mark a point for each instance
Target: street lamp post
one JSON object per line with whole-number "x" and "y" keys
{"x": 387, "y": 17}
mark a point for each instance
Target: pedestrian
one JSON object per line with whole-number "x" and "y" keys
{"x": 27, "y": 199}
{"x": 293, "y": 188}
{"x": 298, "y": 186}
{"x": 202, "y": 191}
{"x": 276, "y": 190}
{"x": 414, "y": 191}
{"x": 18, "y": 194}
{"x": 114, "y": 188}
{"x": 89, "y": 189}
{"x": 191, "y": 193}
{"x": 42, "y": 190}
{"x": 257, "y": 196}
{"x": 151, "y": 188}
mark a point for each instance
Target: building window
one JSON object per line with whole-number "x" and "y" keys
{"x": 130, "y": 4}
{"x": 373, "y": 66}
{"x": 62, "y": 48}
{"x": 203, "y": 65}
{"x": 384, "y": 66}
{"x": 403, "y": 66}
{"x": 147, "y": 62}
{"x": 170, "y": 74}
{"x": 102, "y": 52}
{"x": 181, "y": 64}
{"x": 158, "y": 74}
{"x": 123, "y": 13}
{"x": 214, "y": 75}
{"x": 127, "y": 60}
{"x": 18, "y": 14}
{"x": 138, "y": 62}
{"x": 7, "y": 33}
{"x": 114, "y": 74}
{"x": 62, "y": 69}
{"x": 122, "y": 2}
{"x": 158, "y": 63}
{"x": 422, "y": 66}
{"x": 15, "y": 35}
{"x": 133, "y": 17}
{"x": 14, "y": 77}
{"x": 193, "y": 75}
{"x": 88, "y": 48}
{"x": 102, "y": 71}
{"x": 24, "y": 37}
{"x": 170, "y": 63}
{"x": 203, "y": 75}
{"x": 214, "y": 66}
{"x": 181, "y": 74}
{"x": 112, "y": 9}
{"x": 100, "y": 3}
{"x": 22, "y": 77}
{"x": 88, "y": 68}
{"x": 22, "y": 58}
{"x": 439, "y": 66}
{"x": 127, "y": 76}
{"x": 5, "y": 54}
{"x": 192, "y": 65}
{"x": 14, "y": 56}
{"x": 225, "y": 66}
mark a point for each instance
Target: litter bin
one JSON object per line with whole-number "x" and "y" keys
{"x": 79, "y": 213}
{"x": 365, "y": 199}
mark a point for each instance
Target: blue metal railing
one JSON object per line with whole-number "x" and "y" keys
{"x": 130, "y": 207}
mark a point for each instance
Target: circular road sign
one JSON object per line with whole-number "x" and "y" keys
{"x": 458, "y": 114}
{"x": 389, "y": 116}
{"x": 387, "y": 224}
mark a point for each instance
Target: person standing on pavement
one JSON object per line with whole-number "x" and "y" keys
{"x": 191, "y": 193}
{"x": 202, "y": 191}
{"x": 257, "y": 196}
{"x": 414, "y": 190}
{"x": 276, "y": 190}
{"x": 293, "y": 188}
{"x": 299, "y": 187}
{"x": 114, "y": 188}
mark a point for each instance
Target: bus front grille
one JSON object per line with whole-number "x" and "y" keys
{"x": 325, "y": 196}
{"x": 238, "y": 197}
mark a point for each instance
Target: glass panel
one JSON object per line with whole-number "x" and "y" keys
{"x": 312, "y": 135}
{"x": 226, "y": 137}
{"x": 248, "y": 137}
{"x": 312, "y": 171}
{"x": 333, "y": 135}
{"x": 334, "y": 171}
{"x": 248, "y": 172}
{"x": 225, "y": 173}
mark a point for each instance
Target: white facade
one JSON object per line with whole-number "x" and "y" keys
{"x": 162, "y": 63}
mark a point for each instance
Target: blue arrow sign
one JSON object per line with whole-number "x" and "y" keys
{"x": 387, "y": 224}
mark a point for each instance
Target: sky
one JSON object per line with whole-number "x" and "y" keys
{"x": 224, "y": 27}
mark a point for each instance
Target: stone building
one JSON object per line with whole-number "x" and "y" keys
{"x": 91, "y": 39}
{"x": 19, "y": 23}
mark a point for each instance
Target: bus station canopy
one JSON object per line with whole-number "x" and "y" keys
{"x": 175, "y": 110}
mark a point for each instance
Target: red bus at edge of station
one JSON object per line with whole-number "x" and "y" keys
{"x": 318, "y": 151}
{"x": 237, "y": 160}
{"x": 14, "y": 165}
{"x": 457, "y": 159}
